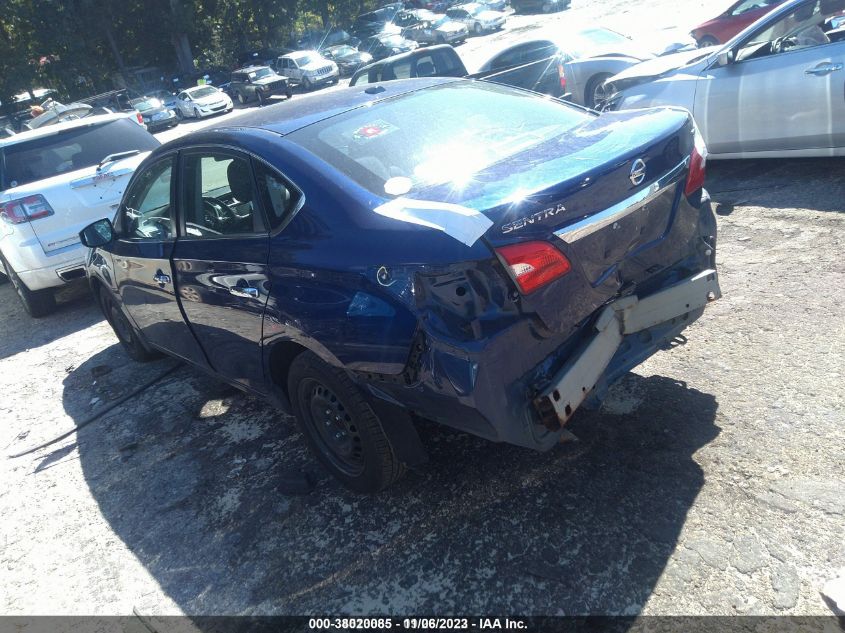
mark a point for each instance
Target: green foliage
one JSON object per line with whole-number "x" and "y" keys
{"x": 79, "y": 46}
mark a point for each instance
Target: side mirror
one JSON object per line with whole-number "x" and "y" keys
{"x": 97, "y": 234}
{"x": 726, "y": 58}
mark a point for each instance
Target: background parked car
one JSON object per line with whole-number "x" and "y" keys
{"x": 737, "y": 17}
{"x": 375, "y": 22}
{"x": 318, "y": 40}
{"x": 257, "y": 83}
{"x": 774, "y": 90}
{"x": 202, "y": 101}
{"x": 382, "y": 46}
{"x": 347, "y": 58}
{"x": 156, "y": 115}
{"x": 589, "y": 57}
{"x": 495, "y": 5}
{"x": 53, "y": 181}
{"x": 308, "y": 69}
{"x": 477, "y": 17}
{"x": 432, "y": 28}
{"x": 541, "y": 6}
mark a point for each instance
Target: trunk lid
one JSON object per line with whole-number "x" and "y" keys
{"x": 605, "y": 194}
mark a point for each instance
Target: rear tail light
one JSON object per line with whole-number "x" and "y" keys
{"x": 533, "y": 264}
{"x": 562, "y": 77}
{"x": 697, "y": 163}
{"x": 140, "y": 118}
{"x": 25, "y": 209}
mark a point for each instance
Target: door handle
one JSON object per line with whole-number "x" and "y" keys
{"x": 244, "y": 291}
{"x": 823, "y": 69}
{"x": 161, "y": 279}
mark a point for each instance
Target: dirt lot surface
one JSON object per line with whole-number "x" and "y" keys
{"x": 711, "y": 482}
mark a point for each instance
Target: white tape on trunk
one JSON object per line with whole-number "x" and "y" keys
{"x": 462, "y": 223}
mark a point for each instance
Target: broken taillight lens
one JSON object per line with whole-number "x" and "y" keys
{"x": 697, "y": 163}
{"x": 533, "y": 264}
{"x": 25, "y": 209}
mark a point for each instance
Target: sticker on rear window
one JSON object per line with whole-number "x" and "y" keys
{"x": 372, "y": 130}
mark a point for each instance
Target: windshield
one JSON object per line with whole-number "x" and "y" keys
{"x": 476, "y": 10}
{"x": 146, "y": 105}
{"x": 396, "y": 147}
{"x": 203, "y": 92}
{"x": 73, "y": 149}
{"x": 441, "y": 21}
{"x": 340, "y": 51}
{"x": 581, "y": 42}
{"x": 261, "y": 73}
{"x": 304, "y": 60}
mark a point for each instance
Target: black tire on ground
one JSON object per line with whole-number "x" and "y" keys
{"x": 123, "y": 330}
{"x": 306, "y": 84}
{"x": 288, "y": 92}
{"x": 37, "y": 303}
{"x": 241, "y": 98}
{"x": 594, "y": 90}
{"x": 340, "y": 426}
{"x": 179, "y": 115}
{"x": 260, "y": 97}
{"x": 476, "y": 28}
{"x": 707, "y": 40}
{"x": 197, "y": 114}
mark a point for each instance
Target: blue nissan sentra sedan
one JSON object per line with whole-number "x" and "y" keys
{"x": 445, "y": 249}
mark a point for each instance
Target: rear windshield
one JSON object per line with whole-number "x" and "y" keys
{"x": 203, "y": 92}
{"x": 41, "y": 158}
{"x": 397, "y": 147}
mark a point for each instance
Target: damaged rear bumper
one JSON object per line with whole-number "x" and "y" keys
{"x": 576, "y": 380}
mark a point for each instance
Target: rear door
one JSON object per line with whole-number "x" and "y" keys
{"x": 143, "y": 275}
{"x": 220, "y": 261}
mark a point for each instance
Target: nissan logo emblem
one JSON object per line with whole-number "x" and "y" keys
{"x": 637, "y": 172}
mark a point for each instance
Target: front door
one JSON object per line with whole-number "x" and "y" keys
{"x": 220, "y": 261}
{"x": 785, "y": 89}
{"x": 146, "y": 229}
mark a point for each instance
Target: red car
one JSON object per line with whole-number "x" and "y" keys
{"x": 739, "y": 15}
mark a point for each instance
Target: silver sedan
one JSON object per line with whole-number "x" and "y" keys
{"x": 775, "y": 90}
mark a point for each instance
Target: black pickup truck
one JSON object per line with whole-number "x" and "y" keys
{"x": 544, "y": 76}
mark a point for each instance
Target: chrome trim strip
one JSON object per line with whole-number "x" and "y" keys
{"x": 598, "y": 221}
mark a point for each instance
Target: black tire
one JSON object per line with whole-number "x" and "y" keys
{"x": 594, "y": 89}
{"x": 288, "y": 92}
{"x": 123, "y": 330}
{"x": 179, "y": 115}
{"x": 241, "y": 98}
{"x": 340, "y": 426}
{"x": 707, "y": 40}
{"x": 476, "y": 29}
{"x": 37, "y": 303}
{"x": 260, "y": 97}
{"x": 306, "y": 84}
{"x": 197, "y": 114}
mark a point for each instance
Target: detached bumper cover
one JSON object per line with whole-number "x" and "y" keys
{"x": 575, "y": 381}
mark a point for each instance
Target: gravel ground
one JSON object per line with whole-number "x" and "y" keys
{"x": 711, "y": 482}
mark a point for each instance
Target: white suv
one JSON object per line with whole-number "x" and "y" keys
{"x": 54, "y": 181}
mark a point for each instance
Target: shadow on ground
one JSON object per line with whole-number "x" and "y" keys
{"x": 197, "y": 481}
{"x": 75, "y": 311}
{"x": 777, "y": 184}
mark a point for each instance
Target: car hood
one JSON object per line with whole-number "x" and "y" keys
{"x": 316, "y": 65}
{"x": 658, "y": 66}
{"x": 211, "y": 99}
{"x": 269, "y": 80}
{"x": 355, "y": 58}
{"x": 153, "y": 111}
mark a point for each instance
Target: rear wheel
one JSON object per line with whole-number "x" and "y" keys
{"x": 288, "y": 92}
{"x": 124, "y": 331}
{"x": 596, "y": 91}
{"x": 476, "y": 28}
{"x": 340, "y": 426}
{"x": 37, "y": 303}
{"x": 260, "y": 98}
{"x": 241, "y": 98}
{"x": 306, "y": 84}
{"x": 547, "y": 7}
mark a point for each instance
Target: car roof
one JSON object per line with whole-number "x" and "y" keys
{"x": 56, "y": 128}
{"x": 290, "y": 116}
{"x": 302, "y": 52}
{"x": 246, "y": 69}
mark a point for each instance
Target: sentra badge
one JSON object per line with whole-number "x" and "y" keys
{"x": 531, "y": 219}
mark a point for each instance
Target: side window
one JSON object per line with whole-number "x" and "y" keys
{"x": 219, "y": 196}
{"x": 424, "y": 68}
{"x": 803, "y": 27}
{"x": 280, "y": 198}
{"x": 747, "y": 5}
{"x": 397, "y": 70}
{"x": 146, "y": 213}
